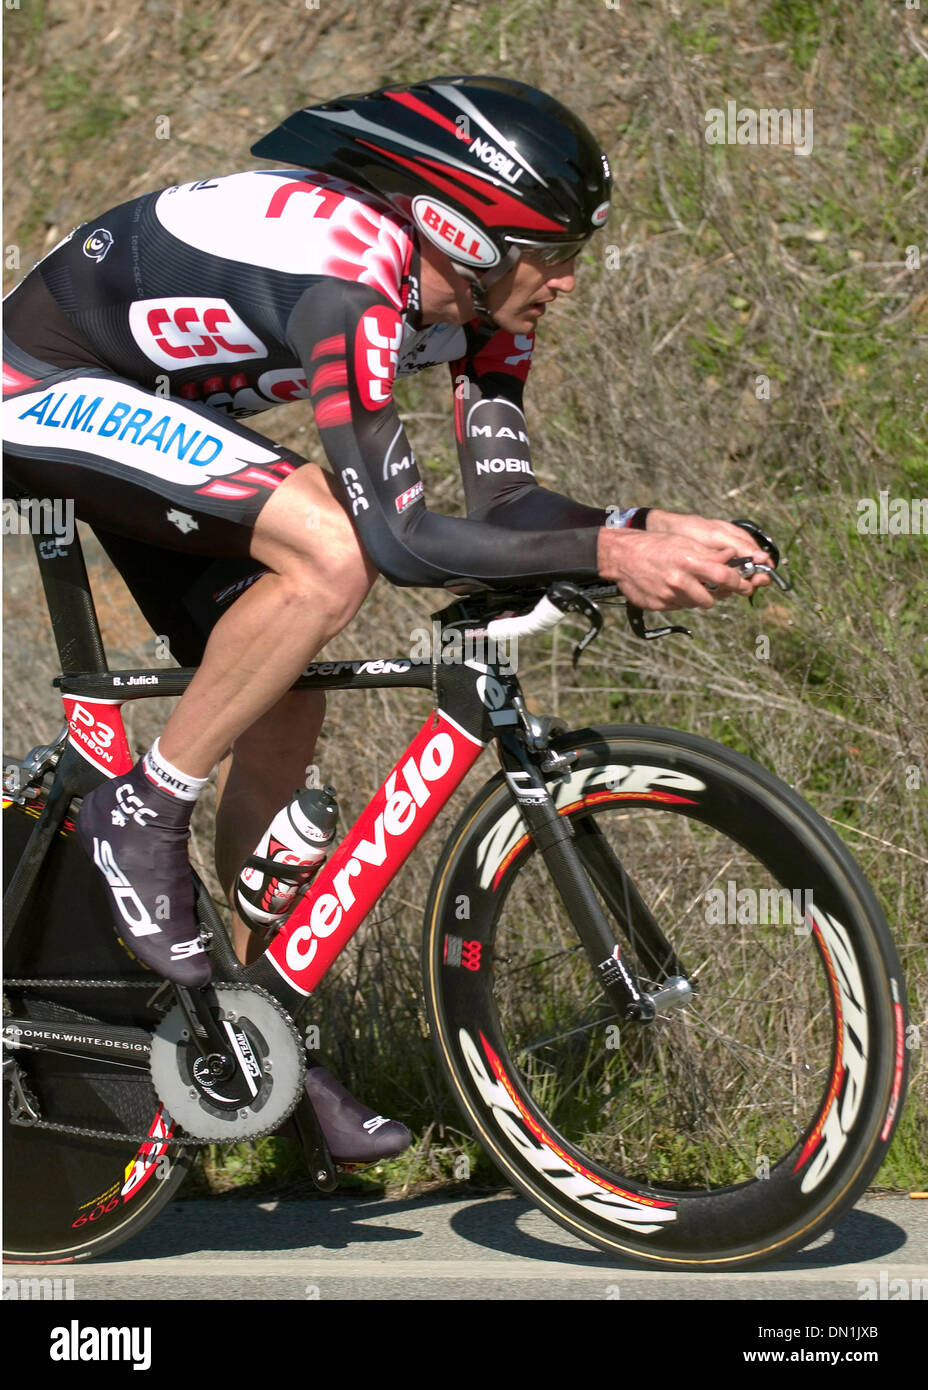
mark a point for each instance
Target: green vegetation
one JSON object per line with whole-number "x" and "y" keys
{"x": 88, "y": 111}
{"x": 757, "y": 351}
{"x": 800, "y": 24}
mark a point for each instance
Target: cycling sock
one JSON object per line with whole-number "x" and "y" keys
{"x": 136, "y": 832}
{"x": 353, "y": 1133}
{"x": 170, "y": 778}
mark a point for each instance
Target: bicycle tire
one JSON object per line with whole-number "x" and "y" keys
{"x": 725, "y": 1134}
{"x": 69, "y": 1198}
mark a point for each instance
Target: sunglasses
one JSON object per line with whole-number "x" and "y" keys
{"x": 552, "y": 252}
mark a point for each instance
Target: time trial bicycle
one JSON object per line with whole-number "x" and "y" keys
{"x": 662, "y": 991}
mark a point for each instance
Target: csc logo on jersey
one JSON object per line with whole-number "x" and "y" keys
{"x": 376, "y": 352}
{"x": 188, "y": 330}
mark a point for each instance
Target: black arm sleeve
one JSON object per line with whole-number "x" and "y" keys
{"x": 347, "y": 337}
{"x": 495, "y": 459}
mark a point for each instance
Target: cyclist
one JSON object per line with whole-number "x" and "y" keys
{"x": 415, "y": 225}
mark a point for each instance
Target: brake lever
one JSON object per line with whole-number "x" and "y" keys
{"x": 569, "y": 599}
{"x": 760, "y": 538}
{"x": 635, "y": 617}
{"x": 746, "y": 566}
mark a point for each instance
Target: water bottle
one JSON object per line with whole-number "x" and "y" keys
{"x": 288, "y": 855}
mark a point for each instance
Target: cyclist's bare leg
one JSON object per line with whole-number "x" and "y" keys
{"x": 318, "y": 578}
{"x": 241, "y": 699}
{"x": 267, "y": 764}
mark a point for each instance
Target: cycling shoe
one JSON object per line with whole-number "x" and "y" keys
{"x": 353, "y": 1133}
{"x": 137, "y": 835}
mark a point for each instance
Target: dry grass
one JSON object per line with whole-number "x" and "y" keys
{"x": 733, "y": 264}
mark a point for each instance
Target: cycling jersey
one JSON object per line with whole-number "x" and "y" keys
{"x": 137, "y": 345}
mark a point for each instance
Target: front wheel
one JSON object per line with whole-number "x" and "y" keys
{"x": 728, "y": 1131}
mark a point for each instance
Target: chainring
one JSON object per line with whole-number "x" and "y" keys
{"x": 270, "y": 1056}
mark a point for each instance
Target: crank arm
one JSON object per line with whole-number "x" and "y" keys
{"x": 207, "y": 1035}
{"x": 315, "y": 1149}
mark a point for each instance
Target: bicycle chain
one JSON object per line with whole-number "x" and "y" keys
{"x": 82, "y": 984}
{"x": 172, "y": 1140}
{"x": 79, "y": 1131}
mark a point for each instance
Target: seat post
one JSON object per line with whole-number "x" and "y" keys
{"x": 70, "y": 605}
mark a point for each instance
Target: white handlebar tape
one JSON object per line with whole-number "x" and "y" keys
{"x": 543, "y": 616}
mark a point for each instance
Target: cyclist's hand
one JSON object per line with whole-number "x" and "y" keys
{"x": 710, "y": 532}
{"x": 663, "y": 570}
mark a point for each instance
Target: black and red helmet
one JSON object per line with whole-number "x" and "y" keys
{"x": 484, "y": 166}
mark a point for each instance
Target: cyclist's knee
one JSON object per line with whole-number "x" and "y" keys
{"x": 306, "y": 536}
{"x": 329, "y": 590}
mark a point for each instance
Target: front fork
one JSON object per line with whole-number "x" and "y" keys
{"x": 579, "y": 859}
